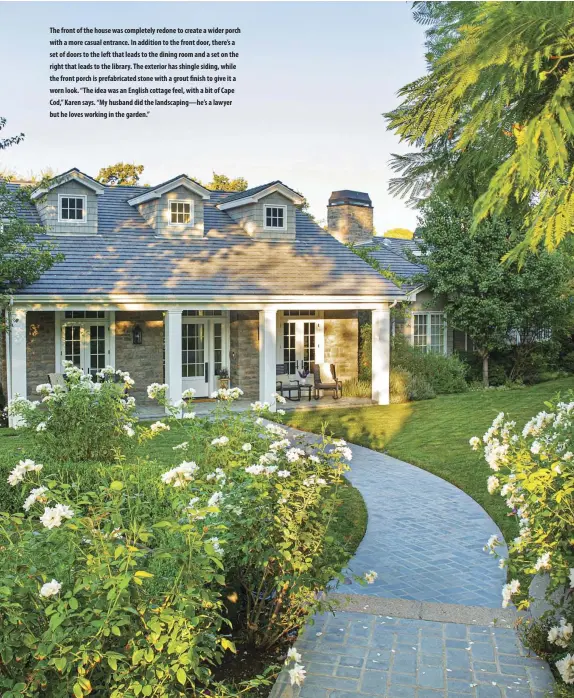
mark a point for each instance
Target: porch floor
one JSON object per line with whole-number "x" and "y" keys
{"x": 202, "y": 408}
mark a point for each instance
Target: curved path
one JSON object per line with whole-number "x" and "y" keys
{"x": 425, "y": 537}
{"x": 431, "y": 626}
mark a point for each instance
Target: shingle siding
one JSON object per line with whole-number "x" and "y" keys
{"x": 48, "y": 209}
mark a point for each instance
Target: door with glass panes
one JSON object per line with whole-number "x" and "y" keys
{"x": 85, "y": 345}
{"x": 299, "y": 346}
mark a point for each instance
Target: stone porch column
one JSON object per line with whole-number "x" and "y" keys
{"x": 381, "y": 365}
{"x": 16, "y": 338}
{"x": 267, "y": 354}
{"x": 173, "y": 376}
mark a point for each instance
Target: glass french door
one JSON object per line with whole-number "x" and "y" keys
{"x": 195, "y": 356}
{"x": 86, "y": 346}
{"x": 299, "y": 346}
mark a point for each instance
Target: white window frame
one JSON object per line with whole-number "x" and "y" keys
{"x": 299, "y": 320}
{"x": 109, "y": 322}
{"x": 80, "y": 221}
{"x": 191, "y": 212}
{"x": 209, "y": 321}
{"x": 428, "y": 315}
{"x": 274, "y": 227}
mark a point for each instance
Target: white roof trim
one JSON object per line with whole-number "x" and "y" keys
{"x": 60, "y": 180}
{"x": 415, "y": 291}
{"x": 297, "y": 199}
{"x": 162, "y": 189}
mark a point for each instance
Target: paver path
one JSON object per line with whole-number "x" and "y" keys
{"x": 425, "y": 539}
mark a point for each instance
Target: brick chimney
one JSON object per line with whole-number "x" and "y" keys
{"x": 350, "y": 216}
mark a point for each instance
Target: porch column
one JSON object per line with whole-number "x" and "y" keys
{"x": 267, "y": 354}
{"x": 16, "y": 339}
{"x": 173, "y": 355}
{"x": 381, "y": 355}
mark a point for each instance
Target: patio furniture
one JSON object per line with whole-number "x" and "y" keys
{"x": 326, "y": 379}
{"x": 57, "y": 379}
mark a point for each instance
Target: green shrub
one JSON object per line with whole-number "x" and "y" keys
{"x": 420, "y": 389}
{"x": 533, "y": 470}
{"x": 357, "y": 388}
{"x": 445, "y": 374}
{"x": 85, "y": 420}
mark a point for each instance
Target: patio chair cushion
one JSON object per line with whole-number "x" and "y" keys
{"x": 326, "y": 374}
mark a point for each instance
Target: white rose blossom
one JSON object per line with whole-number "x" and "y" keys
{"x": 50, "y": 589}
{"x": 220, "y": 441}
{"x": 156, "y": 391}
{"x": 181, "y": 475}
{"x": 158, "y": 427}
{"x": 36, "y": 495}
{"x": 543, "y": 562}
{"x": 492, "y": 484}
{"x": 246, "y": 447}
{"x": 293, "y": 656}
{"x": 371, "y": 576}
{"x": 508, "y": 590}
{"x": 19, "y": 472}
{"x": 54, "y": 516}
{"x": 565, "y": 667}
{"x": 215, "y": 499}
{"x": 297, "y": 675}
{"x": 474, "y": 443}
{"x": 561, "y": 634}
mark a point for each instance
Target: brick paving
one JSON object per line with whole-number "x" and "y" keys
{"x": 425, "y": 539}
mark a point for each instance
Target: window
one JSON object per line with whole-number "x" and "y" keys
{"x": 180, "y": 212}
{"x": 289, "y": 348}
{"x": 85, "y": 314}
{"x": 193, "y": 350}
{"x": 299, "y": 313}
{"x": 217, "y": 347}
{"x": 429, "y": 332}
{"x": 202, "y": 313}
{"x": 275, "y": 217}
{"x": 72, "y": 208}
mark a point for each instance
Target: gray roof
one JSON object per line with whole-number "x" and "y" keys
{"x": 251, "y": 192}
{"x": 127, "y": 257}
{"x": 390, "y": 253}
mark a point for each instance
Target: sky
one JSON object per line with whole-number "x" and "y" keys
{"x": 313, "y": 81}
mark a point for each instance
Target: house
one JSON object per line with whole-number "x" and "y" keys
{"x": 423, "y": 322}
{"x": 175, "y": 282}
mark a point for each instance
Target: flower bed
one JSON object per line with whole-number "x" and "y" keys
{"x": 140, "y": 584}
{"x": 533, "y": 470}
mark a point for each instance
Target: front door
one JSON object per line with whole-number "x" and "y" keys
{"x": 299, "y": 347}
{"x": 195, "y": 356}
{"x": 85, "y": 345}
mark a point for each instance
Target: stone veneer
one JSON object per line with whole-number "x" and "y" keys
{"x": 144, "y": 362}
{"x": 244, "y": 351}
{"x": 350, "y": 224}
{"x": 342, "y": 342}
{"x": 40, "y": 349}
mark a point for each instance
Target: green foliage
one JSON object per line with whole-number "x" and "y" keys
{"x": 221, "y": 182}
{"x": 482, "y": 297}
{"x": 493, "y": 115}
{"x": 399, "y": 233}
{"x": 12, "y": 140}
{"x": 406, "y": 387}
{"x": 365, "y": 254}
{"x": 444, "y": 374}
{"x": 85, "y": 420}
{"x": 533, "y": 471}
{"x": 122, "y": 173}
{"x": 357, "y": 388}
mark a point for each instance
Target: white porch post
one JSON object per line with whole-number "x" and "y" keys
{"x": 267, "y": 354}
{"x": 381, "y": 355}
{"x": 17, "y": 366}
{"x": 173, "y": 361}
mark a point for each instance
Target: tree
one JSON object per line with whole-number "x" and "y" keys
{"x": 23, "y": 256}
{"x": 399, "y": 233}
{"x": 493, "y": 116}
{"x": 482, "y": 297}
{"x": 122, "y": 173}
{"x": 221, "y": 182}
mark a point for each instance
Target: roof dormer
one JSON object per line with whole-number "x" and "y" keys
{"x": 68, "y": 203}
{"x": 174, "y": 207}
{"x": 266, "y": 212}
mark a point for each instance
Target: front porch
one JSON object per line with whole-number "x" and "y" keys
{"x": 193, "y": 347}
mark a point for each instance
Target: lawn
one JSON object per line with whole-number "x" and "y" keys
{"x": 434, "y": 434}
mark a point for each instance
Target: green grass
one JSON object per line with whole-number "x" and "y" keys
{"x": 434, "y": 434}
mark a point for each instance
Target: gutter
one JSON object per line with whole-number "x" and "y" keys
{"x": 9, "y": 354}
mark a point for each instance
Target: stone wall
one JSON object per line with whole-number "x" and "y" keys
{"x": 40, "y": 349}
{"x": 342, "y": 342}
{"x": 244, "y": 351}
{"x": 144, "y": 362}
{"x": 350, "y": 224}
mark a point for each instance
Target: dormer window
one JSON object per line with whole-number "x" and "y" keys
{"x": 72, "y": 208}
{"x": 181, "y": 212}
{"x": 275, "y": 217}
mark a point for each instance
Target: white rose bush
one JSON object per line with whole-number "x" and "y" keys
{"x": 533, "y": 470}
{"x": 134, "y": 578}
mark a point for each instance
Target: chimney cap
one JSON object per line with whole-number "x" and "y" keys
{"x": 348, "y": 196}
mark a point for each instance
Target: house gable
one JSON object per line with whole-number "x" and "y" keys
{"x": 174, "y": 208}
{"x": 68, "y": 204}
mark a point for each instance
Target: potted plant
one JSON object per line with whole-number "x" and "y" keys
{"x": 303, "y": 374}
{"x": 223, "y": 375}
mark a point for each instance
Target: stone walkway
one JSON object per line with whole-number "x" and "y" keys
{"x": 432, "y": 625}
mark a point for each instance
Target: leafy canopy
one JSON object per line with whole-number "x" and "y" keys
{"x": 493, "y": 116}
{"x": 483, "y": 297}
{"x": 399, "y": 233}
{"x": 221, "y": 182}
{"x": 122, "y": 173}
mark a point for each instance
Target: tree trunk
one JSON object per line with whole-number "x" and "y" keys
{"x": 485, "y": 370}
